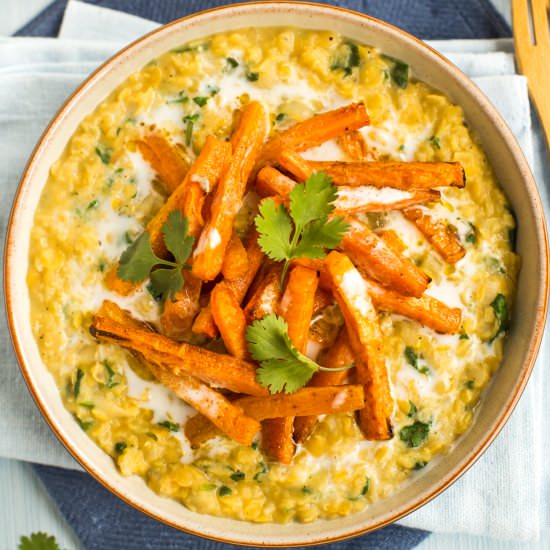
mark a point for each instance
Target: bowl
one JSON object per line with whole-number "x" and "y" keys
{"x": 511, "y": 170}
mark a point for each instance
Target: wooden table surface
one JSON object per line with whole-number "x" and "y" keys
{"x": 25, "y": 506}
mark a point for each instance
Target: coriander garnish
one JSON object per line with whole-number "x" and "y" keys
{"x": 304, "y": 229}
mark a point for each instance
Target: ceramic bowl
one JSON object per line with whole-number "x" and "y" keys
{"x": 511, "y": 170}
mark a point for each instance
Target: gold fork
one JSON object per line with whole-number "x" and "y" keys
{"x": 532, "y": 44}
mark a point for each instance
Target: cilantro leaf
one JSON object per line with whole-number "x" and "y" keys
{"x": 414, "y": 434}
{"x": 137, "y": 260}
{"x": 319, "y": 235}
{"x": 310, "y": 205}
{"x": 38, "y": 541}
{"x": 167, "y": 282}
{"x": 500, "y": 309}
{"x": 400, "y": 74}
{"x": 176, "y": 239}
{"x": 274, "y": 227}
{"x": 282, "y": 366}
{"x": 312, "y": 200}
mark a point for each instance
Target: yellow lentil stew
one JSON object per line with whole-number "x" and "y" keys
{"x": 101, "y": 193}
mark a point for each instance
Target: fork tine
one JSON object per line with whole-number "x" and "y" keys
{"x": 520, "y": 23}
{"x": 540, "y": 21}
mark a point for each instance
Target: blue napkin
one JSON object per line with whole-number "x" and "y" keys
{"x": 100, "y": 520}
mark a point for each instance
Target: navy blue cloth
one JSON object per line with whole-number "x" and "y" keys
{"x": 428, "y": 19}
{"x": 101, "y": 520}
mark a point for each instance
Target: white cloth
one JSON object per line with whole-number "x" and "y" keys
{"x": 505, "y": 494}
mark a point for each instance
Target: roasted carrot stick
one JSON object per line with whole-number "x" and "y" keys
{"x": 340, "y": 355}
{"x": 428, "y": 311}
{"x": 247, "y": 141}
{"x": 188, "y": 197}
{"x": 392, "y": 239}
{"x": 351, "y": 200}
{"x": 296, "y": 308}
{"x": 316, "y": 130}
{"x": 213, "y": 368}
{"x": 164, "y": 159}
{"x": 204, "y": 323}
{"x": 235, "y": 262}
{"x": 400, "y": 175}
{"x": 351, "y": 293}
{"x": 266, "y": 297}
{"x": 270, "y": 181}
{"x": 355, "y": 147}
{"x": 442, "y": 237}
{"x": 371, "y": 255}
{"x": 297, "y": 302}
{"x": 293, "y": 163}
{"x": 178, "y": 314}
{"x": 354, "y": 200}
{"x": 230, "y": 320}
{"x": 310, "y": 401}
{"x": 226, "y": 416}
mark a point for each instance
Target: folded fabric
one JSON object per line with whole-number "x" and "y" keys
{"x": 484, "y": 501}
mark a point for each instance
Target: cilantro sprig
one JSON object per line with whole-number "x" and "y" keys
{"x": 138, "y": 260}
{"x": 282, "y": 366}
{"x": 38, "y": 541}
{"x": 304, "y": 229}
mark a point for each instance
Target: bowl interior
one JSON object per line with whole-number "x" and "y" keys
{"x": 513, "y": 175}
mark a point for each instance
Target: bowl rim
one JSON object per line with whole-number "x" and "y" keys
{"x": 541, "y": 313}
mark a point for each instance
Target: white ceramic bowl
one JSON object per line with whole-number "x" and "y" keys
{"x": 512, "y": 172}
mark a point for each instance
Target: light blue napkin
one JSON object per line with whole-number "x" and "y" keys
{"x": 496, "y": 497}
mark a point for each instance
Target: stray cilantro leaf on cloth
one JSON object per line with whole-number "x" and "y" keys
{"x": 138, "y": 260}
{"x": 310, "y": 205}
{"x": 282, "y": 366}
{"x": 415, "y": 434}
{"x": 500, "y": 309}
{"x": 38, "y": 541}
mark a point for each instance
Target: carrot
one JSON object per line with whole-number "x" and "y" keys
{"x": 213, "y": 405}
{"x": 439, "y": 234}
{"x": 321, "y": 300}
{"x": 247, "y": 141}
{"x": 392, "y": 239}
{"x": 223, "y": 414}
{"x": 354, "y": 200}
{"x": 310, "y": 401}
{"x": 230, "y": 320}
{"x": 204, "y": 323}
{"x": 189, "y": 196}
{"x": 315, "y": 131}
{"x": 270, "y": 181}
{"x": 351, "y": 293}
{"x": 400, "y": 175}
{"x": 371, "y": 255}
{"x": 428, "y": 311}
{"x": 351, "y": 200}
{"x": 213, "y": 368}
{"x": 235, "y": 262}
{"x": 340, "y": 355}
{"x": 296, "y": 308}
{"x": 120, "y": 286}
{"x": 178, "y": 314}
{"x": 294, "y": 164}
{"x": 297, "y": 302}
{"x": 266, "y": 297}
{"x": 354, "y": 146}
{"x": 165, "y": 160}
